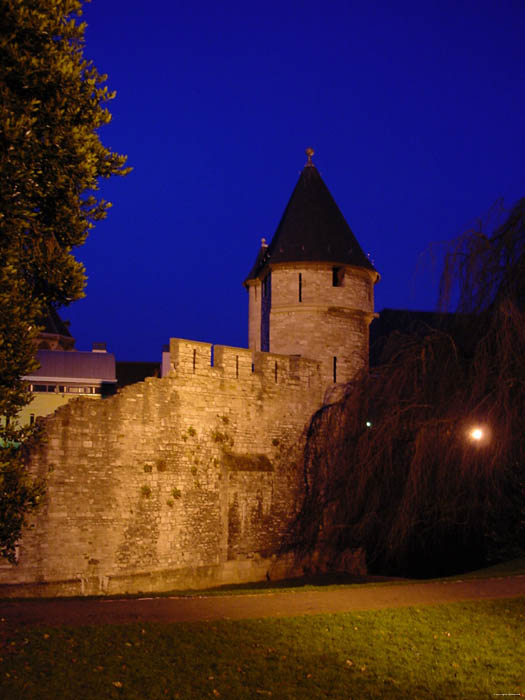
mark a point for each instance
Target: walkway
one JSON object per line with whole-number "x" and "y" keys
{"x": 236, "y": 607}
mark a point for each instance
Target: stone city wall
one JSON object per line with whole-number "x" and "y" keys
{"x": 181, "y": 482}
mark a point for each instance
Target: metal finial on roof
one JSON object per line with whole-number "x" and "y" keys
{"x": 309, "y": 152}
{"x": 263, "y": 243}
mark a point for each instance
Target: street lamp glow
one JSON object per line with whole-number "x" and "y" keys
{"x": 479, "y": 434}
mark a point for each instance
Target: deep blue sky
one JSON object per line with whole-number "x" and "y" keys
{"x": 415, "y": 111}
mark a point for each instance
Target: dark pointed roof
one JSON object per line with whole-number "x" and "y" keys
{"x": 259, "y": 261}
{"x": 54, "y": 324}
{"x": 312, "y": 229}
{"x": 54, "y": 333}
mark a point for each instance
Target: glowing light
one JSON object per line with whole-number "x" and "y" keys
{"x": 368, "y": 424}
{"x": 479, "y": 434}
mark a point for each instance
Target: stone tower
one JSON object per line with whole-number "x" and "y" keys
{"x": 311, "y": 290}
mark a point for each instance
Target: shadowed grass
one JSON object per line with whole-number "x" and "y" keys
{"x": 460, "y": 650}
{"x": 334, "y": 581}
{"x": 506, "y": 568}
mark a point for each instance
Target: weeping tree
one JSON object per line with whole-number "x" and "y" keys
{"x": 53, "y": 102}
{"x": 421, "y": 462}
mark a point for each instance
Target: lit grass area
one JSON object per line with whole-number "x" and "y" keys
{"x": 460, "y": 650}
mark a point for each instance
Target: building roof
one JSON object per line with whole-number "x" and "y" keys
{"x": 54, "y": 324}
{"x": 259, "y": 261}
{"x": 54, "y": 333}
{"x": 74, "y": 365}
{"x": 464, "y": 328}
{"x": 312, "y": 229}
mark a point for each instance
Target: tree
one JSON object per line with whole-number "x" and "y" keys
{"x": 393, "y": 467}
{"x": 52, "y": 104}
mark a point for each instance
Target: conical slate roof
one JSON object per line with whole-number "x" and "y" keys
{"x": 54, "y": 324}
{"x": 312, "y": 229}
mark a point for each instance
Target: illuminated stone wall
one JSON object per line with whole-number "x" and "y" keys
{"x": 180, "y": 482}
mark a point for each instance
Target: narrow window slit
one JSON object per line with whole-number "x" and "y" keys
{"x": 335, "y": 370}
{"x": 194, "y": 360}
{"x": 338, "y": 275}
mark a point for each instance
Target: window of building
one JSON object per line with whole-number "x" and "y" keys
{"x": 65, "y": 389}
{"x": 300, "y": 286}
{"x": 40, "y": 388}
{"x": 335, "y": 369}
{"x": 338, "y": 276}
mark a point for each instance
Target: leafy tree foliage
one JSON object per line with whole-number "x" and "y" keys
{"x": 19, "y": 492}
{"x": 52, "y": 104}
{"x": 393, "y": 467}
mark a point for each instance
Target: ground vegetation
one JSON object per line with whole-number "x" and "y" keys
{"x": 458, "y": 650}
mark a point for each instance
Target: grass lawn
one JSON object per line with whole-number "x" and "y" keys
{"x": 459, "y": 650}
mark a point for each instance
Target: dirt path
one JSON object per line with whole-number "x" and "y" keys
{"x": 184, "y": 609}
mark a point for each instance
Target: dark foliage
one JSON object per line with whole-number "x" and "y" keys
{"x": 52, "y": 104}
{"x": 393, "y": 467}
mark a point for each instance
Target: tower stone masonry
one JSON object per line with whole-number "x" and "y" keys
{"x": 311, "y": 290}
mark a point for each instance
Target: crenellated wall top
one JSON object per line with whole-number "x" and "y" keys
{"x": 190, "y": 357}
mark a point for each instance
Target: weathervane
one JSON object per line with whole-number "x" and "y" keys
{"x": 309, "y": 152}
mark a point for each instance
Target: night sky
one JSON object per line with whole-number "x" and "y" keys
{"x": 415, "y": 111}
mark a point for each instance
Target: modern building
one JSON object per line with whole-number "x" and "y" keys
{"x": 65, "y": 373}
